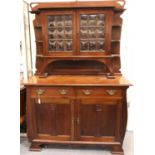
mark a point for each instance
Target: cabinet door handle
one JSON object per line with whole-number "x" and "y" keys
{"x": 111, "y": 92}
{"x": 87, "y": 92}
{"x": 78, "y": 121}
{"x": 63, "y": 91}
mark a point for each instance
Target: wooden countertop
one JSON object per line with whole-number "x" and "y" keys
{"x": 35, "y": 6}
{"x": 76, "y": 80}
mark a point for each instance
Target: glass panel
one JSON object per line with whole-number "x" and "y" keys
{"x": 60, "y": 45}
{"x": 92, "y": 32}
{"x": 83, "y": 32}
{"x": 68, "y": 45}
{"x": 51, "y": 21}
{"x": 68, "y": 33}
{"x": 101, "y": 20}
{"x": 52, "y": 33}
{"x": 100, "y": 32}
{"x": 92, "y": 20}
{"x": 92, "y": 45}
{"x": 60, "y": 20}
{"x": 68, "y": 20}
{"x": 52, "y": 45}
{"x": 100, "y": 45}
{"x": 84, "y": 20}
{"x": 60, "y": 33}
{"x": 84, "y": 45}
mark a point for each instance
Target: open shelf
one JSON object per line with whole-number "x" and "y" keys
{"x": 38, "y": 26}
{"x": 39, "y": 41}
{"x": 115, "y": 40}
{"x": 116, "y": 25}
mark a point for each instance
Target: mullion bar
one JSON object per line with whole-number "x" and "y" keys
{"x": 56, "y": 33}
{"x": 64, "y": 34}
{"x": 88, "y": 33}
{"x": 96, "y": 33}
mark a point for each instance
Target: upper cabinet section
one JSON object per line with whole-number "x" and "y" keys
{"x": 74, "y": 32}
{"x": 77, "y": 28}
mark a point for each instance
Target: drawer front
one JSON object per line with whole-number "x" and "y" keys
{"x": 52, "y": 91}
{"x": 99, "y": 92}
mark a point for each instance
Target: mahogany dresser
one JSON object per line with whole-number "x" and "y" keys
{"x": 78, "y": 94}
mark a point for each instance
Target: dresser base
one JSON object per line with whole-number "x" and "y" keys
{"x": 114, "y": 148}
{"x": 35, "y": 147}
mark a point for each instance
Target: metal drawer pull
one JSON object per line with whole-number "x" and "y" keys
{"x": 111, "y": 92}
{"x": 63, "y": 91}
{"x": 87, "y": 92}
{"x": 40, "y": 92}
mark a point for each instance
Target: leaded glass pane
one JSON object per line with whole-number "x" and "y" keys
{"x": 68, "y": 33}
{"x": 92, "y": 45}
{"x": 84, "y": 45}
{"x": 100, "y": 45}
{"x": 69, "y": 45}
{"x": 92, "y": 32}
{"x": 92, "y": 20}
{"x": 84, "y": 20}
{"x": 60, "y": 45}
{"x": 68, "y": 20}
{"x": 83, "y": 32}
{"x": 60, "y": 33}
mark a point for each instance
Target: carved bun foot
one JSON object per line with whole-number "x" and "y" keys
{"x": 35, "y": 147}
{"x": 117, "y": 150}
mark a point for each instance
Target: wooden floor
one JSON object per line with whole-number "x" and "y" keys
{"x": 61, "y": 150}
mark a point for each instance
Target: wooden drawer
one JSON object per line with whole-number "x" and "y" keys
{"x": 99, "y": 92}
{"x": 52, "y": 91}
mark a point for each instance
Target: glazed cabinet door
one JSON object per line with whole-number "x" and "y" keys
{"x": 98, "y": 120}
{"x": 94, "y": 29}
{"x": 59, "y": 32}
{"x": 52, "y": 118}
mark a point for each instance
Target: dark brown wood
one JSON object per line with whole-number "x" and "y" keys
{"x": 92, "y": 4}
{"x": 77, "y": 97}
{"x": 22, "y": 104}
{"x": 78, "y": 80}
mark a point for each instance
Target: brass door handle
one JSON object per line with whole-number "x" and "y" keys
{"x": 111, "y": 92}
{"x": 63, "y": 91}
{"x": 87, "y": 92}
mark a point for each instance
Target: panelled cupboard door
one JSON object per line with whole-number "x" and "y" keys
{"x": 59, "y": 32}
{"x": 52, "y": 118}
{"x": 94, "y": 29}
{"x": 98, "y": 120}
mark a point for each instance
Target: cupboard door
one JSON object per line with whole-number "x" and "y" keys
{"x": 59, "y": 27}
{"x": 52, "y": 118}
{"x": 94, "y": 27}
{"x": 98, "y": 119}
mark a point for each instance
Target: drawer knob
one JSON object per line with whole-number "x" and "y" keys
{"x": 111, "y": 92}
{"x": 40, "y": 91}
{"x": 87, "y": 92}
{"x": 63, "y": 91}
